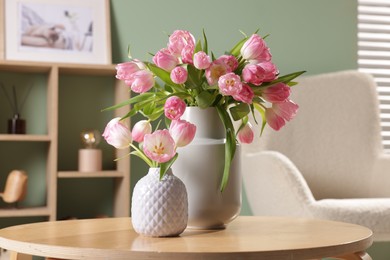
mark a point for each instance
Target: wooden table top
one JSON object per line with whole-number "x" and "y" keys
{"x": 249, "y": 237}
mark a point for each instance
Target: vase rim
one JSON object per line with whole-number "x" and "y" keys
{"x": 158, "y": 169}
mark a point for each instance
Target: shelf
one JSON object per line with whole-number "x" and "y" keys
{"x": 23, "y": 212}
{"x": 100, "y": 174}
{"x": 23, "y": 137}
{"x": 30, "y": 67}
{"x": 87, "y": 70}
{"x": 66, "y": 68}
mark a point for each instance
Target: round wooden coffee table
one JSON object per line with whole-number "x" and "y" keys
{"x": 244, "y": 238}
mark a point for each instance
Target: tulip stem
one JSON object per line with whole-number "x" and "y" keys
{"x": 141, "y": 155}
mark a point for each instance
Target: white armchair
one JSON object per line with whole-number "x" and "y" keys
{"x": 328, "y": 162}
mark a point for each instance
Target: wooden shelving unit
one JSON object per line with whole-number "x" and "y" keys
{"x": 120, "y": 176}
{"x": 25, "y": 138}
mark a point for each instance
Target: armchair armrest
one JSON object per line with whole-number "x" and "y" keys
{"x": 380, "y": 178}
{"x": 270, "y": 178}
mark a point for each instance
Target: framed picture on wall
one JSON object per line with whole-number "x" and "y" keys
{"x": 69, "y": 31}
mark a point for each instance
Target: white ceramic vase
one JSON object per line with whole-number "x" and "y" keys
{"x": 159, "y": 207}
{"x": 200, "y": 166}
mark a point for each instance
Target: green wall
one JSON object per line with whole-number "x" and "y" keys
{"x": 315, "y": 35}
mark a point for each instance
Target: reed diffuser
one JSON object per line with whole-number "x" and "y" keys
{"x": 16, "y": 125}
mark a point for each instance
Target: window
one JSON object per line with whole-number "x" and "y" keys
{"x": 374, "y": 54}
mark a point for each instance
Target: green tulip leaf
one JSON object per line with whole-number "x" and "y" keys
{"x": 230, "y": 146}
{"x": 243, "y": 123}
{"x": 148, "y": 109}
{"x": 292, "y": 83}
{"x": 135, "y": 99}
{"x": 205, "y": 99}
{"x": 237, "y": 48}
{"x": 165, "y": 166}
{"x": 162, "y": 74}
{"x": 156, "y": 114}
{"x": 198, "y": 47}
{"x": 262, "y": 113}
{"x": 285, "y": 79}
{"x": 239, "y": 111}
{"x": 137, "y": 152}
{"x": 194, "y": 77}
{"x": 130, "y": 114}
{"x": 205, "y": 44}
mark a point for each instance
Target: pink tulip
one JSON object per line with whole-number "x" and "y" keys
{"x": 179, "y": 75}
{"x": 230, "y": 61}
{"x": 187, "y": 53}
{"x": 159, "y": 146}
{"x": 255, "y": 49}
{"x": 263, "y": 57}
{"x": 174, "y": 108}
{"x": 178, "y": 40}
{"x": 246, "y": 94}
{"x": 286, "y": 109}
{"x": 165, "y": 60}
{"x": 216, "y": 69}
{"x": 141, "y": 81}
{"x": 126, "y": 69}
{"x": 182, "y": 132}
{"x": 117, "y": 134}
{"x": 202, "y": 60}
{"x": 140, "y": 129}
{"x": 252, "y": 73}
{"x": 280, "y": 113}
{"x": 274, "y": 121}
{"x": 276, "y": 93}
{"x": 270, "y": 70}
{"x": 229, "y": 84}
{"x": 246, "y": 135}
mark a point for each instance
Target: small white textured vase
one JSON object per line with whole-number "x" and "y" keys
{"x": 159, "y": 207}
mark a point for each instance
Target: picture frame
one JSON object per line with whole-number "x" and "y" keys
{"x": 2, "y": 42}
{"x": 62, "y": 31}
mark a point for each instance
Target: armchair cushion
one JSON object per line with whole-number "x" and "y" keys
{"x": 373, "y": 213}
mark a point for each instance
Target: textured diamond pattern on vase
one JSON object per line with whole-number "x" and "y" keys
{"x": 159, "y": 208}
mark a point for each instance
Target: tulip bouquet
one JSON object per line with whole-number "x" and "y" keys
{"x": 186, "y": 73}
{"x": 157, "y": 149}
